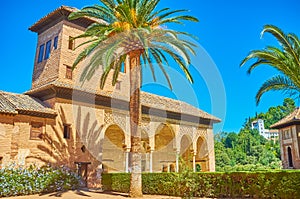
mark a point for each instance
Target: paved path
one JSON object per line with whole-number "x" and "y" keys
{"x": 88, "y": 195}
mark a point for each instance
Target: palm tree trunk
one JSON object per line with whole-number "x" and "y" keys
{"x": 135, "y": 118}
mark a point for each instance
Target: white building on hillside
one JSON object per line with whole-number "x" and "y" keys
{"x": 270, "y": 134}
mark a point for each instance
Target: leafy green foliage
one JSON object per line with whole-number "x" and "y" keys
{"x": 186, "y": 181}
{"x": 285, "y": 59}
{"x": 275, "y": 184}
{"x": 160, "y": 183}
{"x": 136, "y": 26}
{"x": 275, "y": 114}
{"x": 247, "y": 150}
{"x": 116, "y": 182}
{"x": 33, "y": 180}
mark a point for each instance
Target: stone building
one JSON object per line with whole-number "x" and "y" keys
{"x": 61, "y": 121}
{"x": 269, "y": 134}
{"x": 289, "y": 137}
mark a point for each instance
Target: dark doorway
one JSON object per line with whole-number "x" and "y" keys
{"x": 82, "y": 169}
{"x": 290, "y": 157}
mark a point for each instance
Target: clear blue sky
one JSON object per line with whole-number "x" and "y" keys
{"x": 227, "y": 30}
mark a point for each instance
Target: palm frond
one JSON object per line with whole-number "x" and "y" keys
{"x": 132, "y": 25}
{"x": 150, "y": 62}
{"x": 178, "y": 19}
{"x": 178, "y": 60}
{"x": 87, "y": 51}
{"x": 162, "y": 16}
{"x": 157, "y": 56}
{"x": 176, "y": 45}
{"x": 118, "y": 66}
{"x": 272, "y": 58}
{"x": 90, "y": 12}
{"x": 147, "y": 60}
{"x": 109, "y": 4}
{"x": 276, "y": 83}
{"x": 155, "y": 14}
{"x": 282, "y": 38}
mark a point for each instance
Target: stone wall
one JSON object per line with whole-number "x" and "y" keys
{"x": 17, "y": 148}
{"x": 289, "y": 139}
{"x": 47, "y": 70}
{"x": 6, "y": 131}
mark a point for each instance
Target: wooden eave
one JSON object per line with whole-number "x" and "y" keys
{"x": 286, "y": 124}
{"x": 86, "y": 97}
{"x": 58, "y": 15}
{"x": 37, "y": 114}
{"x": 8, "y": 113}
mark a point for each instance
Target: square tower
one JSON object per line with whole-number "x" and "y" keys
{"x": 56, "y": 52}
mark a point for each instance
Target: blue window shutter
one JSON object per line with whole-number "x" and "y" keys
{"x": 41, "y": 53}
{"x": 48, "y": 49}
{"x": 55, "y": 43}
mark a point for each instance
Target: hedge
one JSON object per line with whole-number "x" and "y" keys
{"x": 33, "y": 180}
{"x": 276, "y": 184}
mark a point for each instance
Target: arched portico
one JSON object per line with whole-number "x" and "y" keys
{"x": 163, "y": 145}
{"x": 201, "y": 155}
{"x": 186, "y": 150}
{"x": 164, "y": 154}
{"x": 113, "y": 149}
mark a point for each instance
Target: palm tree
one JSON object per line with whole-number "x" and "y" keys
{"x": 286, "y": 59}
{"x": 133, "y": 30}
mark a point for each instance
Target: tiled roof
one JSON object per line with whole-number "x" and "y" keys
{"x": 168, "y": 104}
{"x": 6, "y": 106}
{"x": 56, "y": 14}
{"x": 293, "y": 117}
{"x": 12, "y": 103}
{"x": 147, "y": 99}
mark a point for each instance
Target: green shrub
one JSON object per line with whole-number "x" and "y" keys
{"x": 264, "y": 184}
{"x": 160, "y": 183}
{"x": 116, "y": 182}
{"x": 33, "y": 180}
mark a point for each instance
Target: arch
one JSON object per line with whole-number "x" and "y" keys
{"x": 113, "y": 149}
{"x": 186, "y": 151}
{"x": 105, "y": 127}
{"x": 184, "y": 130}
{"x": 202, "y": 153}
{"x": 164, "y": 135}
{"x": 290, "y": 157}
{"x": 164, "y": 148}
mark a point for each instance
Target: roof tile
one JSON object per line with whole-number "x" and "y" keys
{"x": 12, "y": 103}
{"x": 294, "y": 116}
{"x": 147, "y": 99}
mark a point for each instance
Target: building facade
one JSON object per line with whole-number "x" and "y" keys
{"x": 62, "y": 121}
{"x": 289, "y": 136}
{"x": 269, "y": 134}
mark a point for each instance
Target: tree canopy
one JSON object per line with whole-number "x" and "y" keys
{"x": 248, "y": 150}
{"x": 133, "y": 26}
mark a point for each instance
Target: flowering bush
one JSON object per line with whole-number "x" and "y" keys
{"x": 33, "y": 180}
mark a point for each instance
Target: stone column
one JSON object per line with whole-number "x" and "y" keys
{"x": 177, "y": 161}
{"x": 127, "y": 151}
{"x": 151, "y": 161}
{"x": 194, "y": 161}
